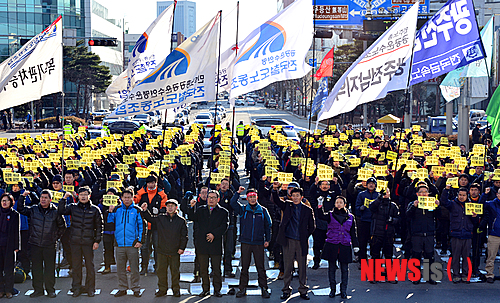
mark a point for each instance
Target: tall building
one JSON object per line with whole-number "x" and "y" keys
{"x": 185, "y": 16}
{"x": 21, "y": 20}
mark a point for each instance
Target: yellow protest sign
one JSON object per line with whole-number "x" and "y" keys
{"x": 477, "y": 161}
{"x": 69, "y": 188}
{"x": 415, "y": 128}
{"x": 354, "y": 162}
{"x": 115, "y": 184}
{"x": 364, "y": 174}
{"x": 453, "y": 182}
{"x": 380, "y": 170}
{"x": 381, "y": 185}
{"x": 56, "y": 196}
{"x": 390, "y": 155}
{"x": 108, "y": 200}
{"x": 123, "y": 168}
{"x": 128, "y": 159}
{"x": 368, "y": 201}
{"x": 432, "y": 160}
{"x": 325, "y": 173}
{"x": 11, "y": 178}
{"x": 427, "y": 203}
{"x": 473, "y": 207}
{"x": 438, "y": 170}
{"x": 450, "y": 168}
{"x": 444, "y": 140}
{"x": 295, "y": 161}
{"x": 216, "y": 178}
{"x": 186, "y": 160}
{"x": 73, "y": 164}
{"x": 285, "y": 178}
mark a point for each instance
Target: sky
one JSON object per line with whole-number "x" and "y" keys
{"x": 252, "y": 14}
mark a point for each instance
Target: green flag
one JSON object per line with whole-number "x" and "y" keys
{"x": 493, "y": 112}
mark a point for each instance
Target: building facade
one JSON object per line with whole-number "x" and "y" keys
{"x": 185, "y": 16}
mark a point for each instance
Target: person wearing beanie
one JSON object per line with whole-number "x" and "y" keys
{"x": 155, "y": 199}
{"x": 108, "y": 235}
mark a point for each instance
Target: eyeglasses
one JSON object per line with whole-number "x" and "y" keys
{"x": 213, "y": 197}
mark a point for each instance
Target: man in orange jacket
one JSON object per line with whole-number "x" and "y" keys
{"x": 155, "y": 199}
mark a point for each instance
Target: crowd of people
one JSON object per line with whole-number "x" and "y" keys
{"x": 348, "y": 189}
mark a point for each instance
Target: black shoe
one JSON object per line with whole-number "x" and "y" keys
{"x": 143, "y": 271}
{"x": 432, "y": 282}
{"x": 285, "y": 295}
{"x": 121, "y": 293}
{"x": 229, "y": 275}
{"x": 315, "y": 266}
{"x": 204, "y": 293}
{"x": 91, "y": 293}
{"x": 137, "y": 294}
{"x": 343, "y": 295}
{"x": 36, "y": 294}
{"x": 231, "y": 291}
{"x": 490, "y": 280}
{"x": 77, "y": 293}
{"x": 305, "y": 296}
{"x": 217, "y": 294}
{"x": 241, "y": 293}
{"x": 160, "y": 293}
{"x": 51, "y": 295}
{"x": 265, "y": 294}
{"x": 177, "y": 293}
{"x": 196, "y": 279}
{"x": 332, "y": 294}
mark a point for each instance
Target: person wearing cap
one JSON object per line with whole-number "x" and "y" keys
{"x": 212, "y": 220}
{"x": 108, "y": 235}
{"x": 255, "y": 235}
{"x": 240, "y": 134}
{"x": 364, "y": 215}
{"x": 155, "y": 198}
{"x": 130, "y": 228}
{"x": 85, "y": 236}
{"x": 385, "y": 217}
{"x": 172, "y": 241}
{"x": 47, "y": 226}
{"x": 297, "y": 225}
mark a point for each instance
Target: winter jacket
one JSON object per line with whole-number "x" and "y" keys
{"x": 22, "y": 218}
{"x": 153, "y": 198}
{"x": 461, "y": 226}
{"x": 255, "y": 223}
{"x": 385, "y": 216}
{"x": 341, "y": 234}
{"x": 306, "y": 222}
{"x": 172, "y": 231}
{"x": 328, "y": 198}
{"x": 13, "y": 231}
{"x": 128, "y": 224}
{"x": 46, "y": 225}
{"x": 492, "y": 211}
{"x": 365, "y": 212}
{"x": 422, "y": 221}
{"x": 215, "y": 223}
{"x": 86, "y": 222}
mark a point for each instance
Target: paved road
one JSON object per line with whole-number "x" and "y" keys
{"x": 317, "y": 279}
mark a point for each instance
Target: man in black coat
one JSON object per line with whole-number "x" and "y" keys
{"x": 212, "y": 221}
{"x": 46, "y": 226}
{"x": 85, "y": 236}
{"x": 296, "y": 226}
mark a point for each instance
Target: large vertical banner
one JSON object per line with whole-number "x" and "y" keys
{"x": 35, "y": 70}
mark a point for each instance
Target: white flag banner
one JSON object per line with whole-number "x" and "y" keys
{"x": 152, "y": 46}
{"x": 35, "y": 70}
{"x": 226, "y": 59}
{"x": 275, "y": 51}
{"x": 380, "y": 69}
{"x": 186, "y": 75}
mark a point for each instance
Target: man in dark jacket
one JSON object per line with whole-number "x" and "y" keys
{"x": 364, "y": 215}
{"x": 255, "y": 236}
{"x": 422, "y": 227}
{"x": 226, "y": 195}
{"x": 85, "y": 236}
{"x": 212, "y": 221}
{"x": 172, "y": 241}
{"x": 295, "y": 228}
{"x": 322, "y": 198}
{"x": 461, "y": 227}
{"x": 46, "y": 226}
{"x": 385, "y": 216}
{"x": 130, "y": 231}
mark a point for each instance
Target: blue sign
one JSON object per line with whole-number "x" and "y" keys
{"x": 352, "y": 12}
{"x": 313, "y": 64}
{"x": 449, "y": 40}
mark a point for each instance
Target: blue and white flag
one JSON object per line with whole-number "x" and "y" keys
{"x": 275, "y": 51}
{"x": 151, "y": 47}
{"x": 320, "y": 98}
{"x": 187, "y": 74}
{"x": 449, "y": 40}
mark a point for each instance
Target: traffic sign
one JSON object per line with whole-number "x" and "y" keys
{"x": 352, "y": 12}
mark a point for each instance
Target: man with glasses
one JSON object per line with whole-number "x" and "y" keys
{"x": 212, "y": 221}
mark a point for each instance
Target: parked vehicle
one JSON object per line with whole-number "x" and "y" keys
{"x": 272, "y": 104}
{"x": 128, "y": 127}
{"x": 240, "y": 102}
{"x": 205, "y": 118}
{"x": 437, "y": 125}
{"x": 251, "y": 101}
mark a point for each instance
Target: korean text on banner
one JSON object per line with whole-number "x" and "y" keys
{"x": 186, "y": 75}
{"x": 153, "y": 45}
{"x": 380, "y": 69}
{"x": 35, "y": 70}
{"x": 275, "y": 51}
{"x": 449, "y": 40}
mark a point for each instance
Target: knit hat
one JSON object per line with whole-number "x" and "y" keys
{"x": 57, "y": 178}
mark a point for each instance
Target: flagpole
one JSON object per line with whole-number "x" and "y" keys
{"x": 62, "y": 114}
{"x": 308, "y": 135}
{"x": 234, "y": 107}
{"x": 163, "y": 152}
{"x": 216, "y": 99}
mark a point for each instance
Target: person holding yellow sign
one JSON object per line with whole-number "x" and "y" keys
{"x": 422, "y": 216}
{"x": 108, "y": 234}
{"x": 364, "y": 215}
{"x": 461, "y": 227}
